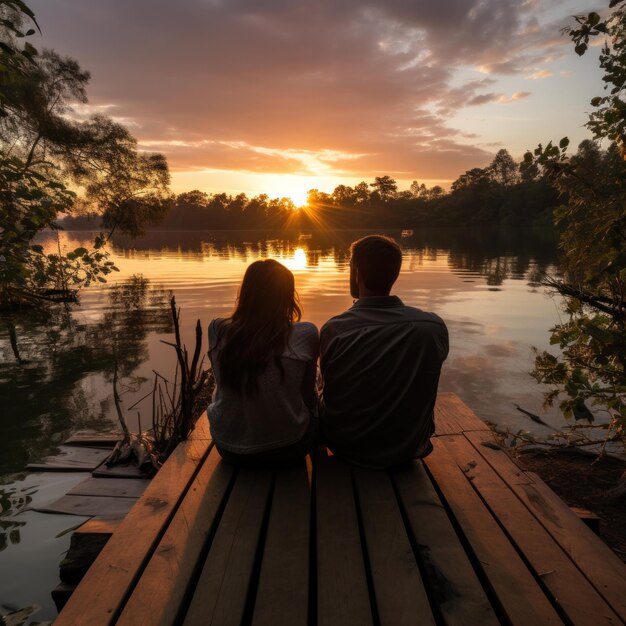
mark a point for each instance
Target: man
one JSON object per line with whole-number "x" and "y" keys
{"x": 380, "y": 363}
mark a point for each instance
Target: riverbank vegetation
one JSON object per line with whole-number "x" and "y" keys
{"x": 587, "y": 378}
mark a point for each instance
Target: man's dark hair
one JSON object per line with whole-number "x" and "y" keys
{"x": 378, "y": 259}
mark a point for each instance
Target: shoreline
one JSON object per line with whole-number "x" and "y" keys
{"x": 583, "y": 482}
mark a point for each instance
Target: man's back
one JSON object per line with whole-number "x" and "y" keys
{"x": 380, "y": 361}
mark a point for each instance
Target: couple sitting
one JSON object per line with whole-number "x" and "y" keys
{"x": 380, "y": 363}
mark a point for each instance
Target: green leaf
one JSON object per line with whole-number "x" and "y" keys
{"x": 596, "y": 102}
{"x": 564, "y": 143}
{"x": 580, "y": 49}
{"x": 581, "y": 412}
{"x": 593, "y": 18}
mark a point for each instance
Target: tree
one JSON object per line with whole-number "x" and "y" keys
{"x": 385, "y": 186}
{"x": 474, "y": 179}
{"x": 609, "y": 119}
{"x": 31, "y": 198}
{"x": 589, "y": 375}
{"x": 503, "y": 169}
{"x": 343, "y": 195}
{"x": 417, "y": 190}
{"x": 435, "y": 192}
{"x": 16, "y": 60}
{"x": 42, "y": 148}
{"x": 362, "y": 193}
{"x": 127, "y": 187}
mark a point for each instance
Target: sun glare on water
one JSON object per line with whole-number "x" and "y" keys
{"x": 297, "y": 261}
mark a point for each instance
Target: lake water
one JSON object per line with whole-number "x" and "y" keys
{"x": 56, "y": 368}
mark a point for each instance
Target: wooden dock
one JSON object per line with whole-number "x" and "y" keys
{"x": 463, "y": 537}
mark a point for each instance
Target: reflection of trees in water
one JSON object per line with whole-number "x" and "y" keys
{"x": 13, "y": 500}
{"x": 46, "y": 355}
{"x": 496, "y": 254}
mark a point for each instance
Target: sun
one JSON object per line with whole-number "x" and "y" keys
{"x": 298, "y": 195}
{"x": 290, "y": 186}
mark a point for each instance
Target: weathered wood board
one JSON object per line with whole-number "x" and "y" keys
{"x": 342, "y": 587}
{"x": 224, "y": 585}
{"x": 94, "y": 438}
{"x": 101, "y": 594}
{"x": 119, "y": 487}
{"x": 118, "y": 471}
{"x": 285, "y": 567}
{"x": 159, "y": 594}
{"x": 99, "y": 525}
{"x": 89, "y": 505}
{"x": 463, "y": 537}
{"x": 72, "y": 459}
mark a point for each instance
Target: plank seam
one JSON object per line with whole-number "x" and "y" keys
{"x": 366, "y": 559}
{"x": 430, "y": 593}
{"x": 157, "y": 539}
{"x": 255, "y": 573}
{"x": 474, "y": 561}
{"x": 199, "y": 566}
{"x": 536, "y": 576}
{"x": 312, "y": 599}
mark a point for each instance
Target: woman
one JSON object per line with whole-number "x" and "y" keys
{"x": 264, "y": 408}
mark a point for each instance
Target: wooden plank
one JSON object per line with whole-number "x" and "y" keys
{"x": 589, "y": 518}
{"x": 519, "y": 595}
{"x": 603, "y": 568}
{"x": 560, "y": 577}
{"x": 342, "y": 591}
{"x": 94, "y": 438}
{"x": 88, "y": 505}
{"x": 398, "y": 586}
{"x": 99, "y": 526}
{"x": 118, "y": 488}
{"x": 220, "y": 595}
{"x": 488, "y": 448}
{"x": 159, "y": 594}
{"x": 71, "y": 459}
{"x": 283, "y": 590}
{"x": 450, "y": 577}
{"x": 101, "y": 593}
{"x": 119, "y": 472}
{"x": 453, "y": 416}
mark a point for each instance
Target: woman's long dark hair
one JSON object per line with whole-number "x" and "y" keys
{"x": 257, "y": 331}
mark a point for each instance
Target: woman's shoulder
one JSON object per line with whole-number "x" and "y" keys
{"x": 305, "y": 328}
{"x": 304, "y": 340}
{"x": 215, "y": 326}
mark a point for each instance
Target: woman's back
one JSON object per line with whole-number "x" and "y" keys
{"x": 278, "y": 412}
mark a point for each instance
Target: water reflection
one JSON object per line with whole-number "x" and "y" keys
{"x": 494, "y": 254}
{"x": 47, "y": 357}
{"x": 55, "y": 368}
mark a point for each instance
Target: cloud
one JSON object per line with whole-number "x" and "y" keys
{"x": 500, "y": 98}
{"x": 363, "y": 86}
{"x": 518, "y": 95}
{"x": 539, "y": 74}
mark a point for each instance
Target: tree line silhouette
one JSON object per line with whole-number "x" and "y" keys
{"x": 505, "y": 193}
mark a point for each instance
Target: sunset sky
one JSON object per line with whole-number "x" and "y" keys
{"x": 280, "y": 96}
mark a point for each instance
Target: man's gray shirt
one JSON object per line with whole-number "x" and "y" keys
{"x": 380, "y": 363}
